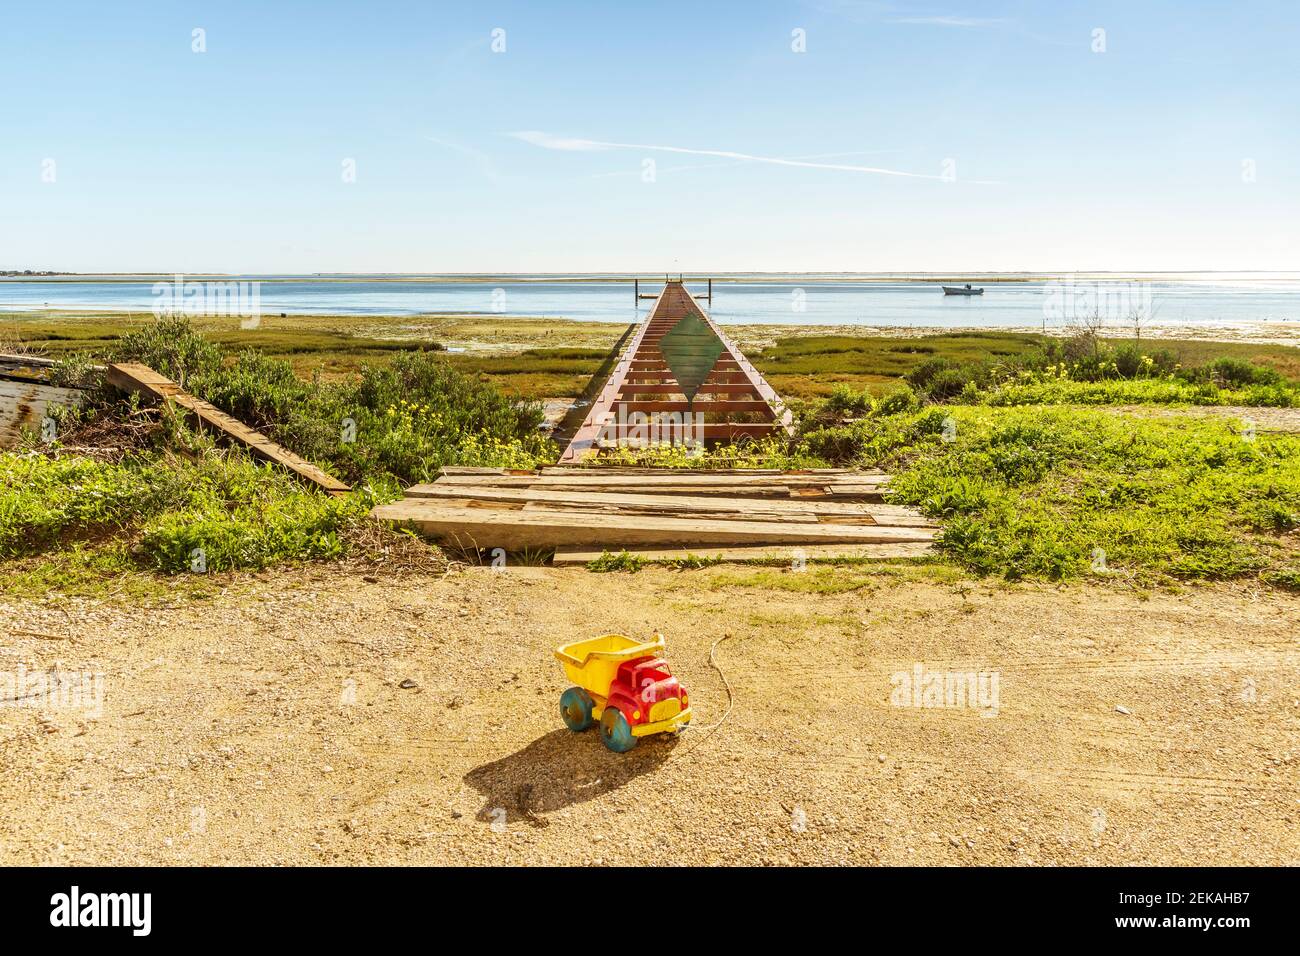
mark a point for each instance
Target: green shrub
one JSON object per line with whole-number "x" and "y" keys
{"x": 410, "y": 417}
{"x": 922, "y": 375}
{"x": 896, "y": 401}
{"x": 845, "y": 402}
{"x": 1232, "y": 373}
{"x": 1287, "y": 578}
{"x": 260, "y": 391}
{"x": 948, "y": 383}
{"x": 171, "y": 346}
{"x": 839, "y": 443}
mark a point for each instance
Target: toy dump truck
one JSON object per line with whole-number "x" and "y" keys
{"x": 625, "y": 686}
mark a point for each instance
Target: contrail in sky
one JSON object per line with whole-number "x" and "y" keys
{"x": 547, "y": 141}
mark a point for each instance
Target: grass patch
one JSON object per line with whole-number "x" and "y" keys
{"x": 622, "y": 561}
{"x": 811, "y": 366}
{"x": 1064, "y": 493}
{"x": 158, "y": 514}
{"x": 1008, "y": 368}
{"x": 812, "y": 580}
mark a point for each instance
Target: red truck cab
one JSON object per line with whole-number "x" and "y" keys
{"x": 646, "y": 691}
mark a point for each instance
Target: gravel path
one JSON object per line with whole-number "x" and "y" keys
{"x": 313, "y": 717}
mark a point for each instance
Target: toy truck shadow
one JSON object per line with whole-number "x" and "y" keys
{"x": 556, "y": 771}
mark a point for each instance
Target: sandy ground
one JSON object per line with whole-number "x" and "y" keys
{"x": 270, "y": 724}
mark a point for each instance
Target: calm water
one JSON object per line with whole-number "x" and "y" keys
{"x": 1212, "y": 301}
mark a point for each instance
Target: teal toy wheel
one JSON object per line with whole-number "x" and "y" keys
{"x": 575, "y": 708}
{"x": 615, "y": 732}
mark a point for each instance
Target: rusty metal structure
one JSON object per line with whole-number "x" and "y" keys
{"x": 679, "y": 378}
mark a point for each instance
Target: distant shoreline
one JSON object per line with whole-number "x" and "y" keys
{"x": 720, "y": 277}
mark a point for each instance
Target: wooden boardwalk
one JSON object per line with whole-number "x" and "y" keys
{"x": 680, "y": 363}
{"x": 680, "y": 379}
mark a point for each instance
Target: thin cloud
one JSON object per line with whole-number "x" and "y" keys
{"x": 950, "y": 21}
{"x": 547, "y": 141}
{"x": 482, "y": 159}
{"x": 732, "y": 165}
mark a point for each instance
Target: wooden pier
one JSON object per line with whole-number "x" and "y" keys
{"x": 678, "y": 364}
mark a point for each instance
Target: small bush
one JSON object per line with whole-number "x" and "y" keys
{"x": 845, "y": 402}
{"x": 840, "y": 444}
{"x": 897, "y": 401}
{"x": 1232, "y": 373}
{"x": 171, "y": 346}
{"x": 922, "y": 375}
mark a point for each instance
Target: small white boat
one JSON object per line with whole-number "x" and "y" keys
{"x": 961, "y": 290}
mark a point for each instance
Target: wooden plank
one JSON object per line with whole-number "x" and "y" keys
{"x": 493, "y": 481}
{"x": 599, "y": 479}
{"x": 514, "y": 530}
{"x": 576, "y": 510}
{"x": 631, "y": 486}
{"x": 692, "y": 478}
{"x": 568, "y": 556}
{"x": 23, "y": 406}
{"x": 672, "y": 388}
{"x": 26, "y": 361}
{"x": 849, "y": 488}
{"x": 597, "y": 468}
{"x": 624, "y": 470}
{"x": 894, "y": 515}
{"x": 461, "y": 470}
{"x": 642, "y": 436}
{"x": 134, "y": 377}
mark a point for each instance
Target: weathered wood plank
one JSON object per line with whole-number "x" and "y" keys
{"x": 630, "y": 485}
{"x": 578, "y": 509}
{"x": 134, "y": 377}
{"x": 720, "y": 507}
{"x": 24, "y": 361}
{"x": 513, "y": 530}
{"x": 701, "y": 478}
{"x": 23, "y": 406}
{"x": 567, "y": 556}
{"x": 577, "y": 471}
{"x": 460, "y": 470}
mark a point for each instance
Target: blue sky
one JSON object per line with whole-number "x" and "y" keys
{"x": 535, "y": 158}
